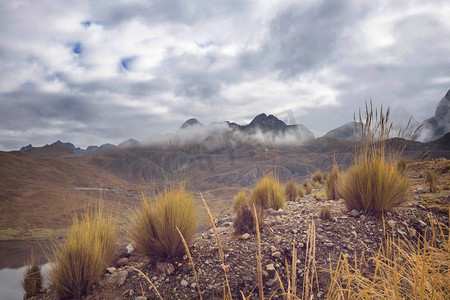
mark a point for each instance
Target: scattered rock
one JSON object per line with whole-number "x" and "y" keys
{"x": 276, "y": 254}
{"x": 121, "y": 277}
{"x": 184, "y": 283}
{"x": 122, "y": 262}
{"x": 130, "y": 248}
{"x": 277, "y": 239}
{"x": 354, "y": 213}
{"x": 140, "y": 298}
{"x": 245, "y": 236}
{"x": 111, "y": 270}
{"x": 224, "y": 221}
{"x": 165, "y": 268}
{"x": 270, "y": 267}
{"x": 391, "y": 223}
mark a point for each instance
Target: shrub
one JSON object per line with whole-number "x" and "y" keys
{"x": 268, "y": 193}
{"x": 32, "y": 277}
{"x": 317, "y": 176}
{"x": 318, "y": 185}
{"x": 325, "y": 213}
{"x": 373, "y": 183}
{"x": 80, "y": 259}
{"x": 239, "y": 200}
{"x": 431, "y": 179}
{"x": 331, "y": 183}
{"x": 244, "y": 222}
{"x": 154, "y": 227}
{"x": 401, "y": 166}
{"x": 308, "y": 187}
{"x": 292, "y": 190}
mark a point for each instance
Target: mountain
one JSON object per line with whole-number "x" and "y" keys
{"x": 438, "y": 125}
{"x": 95, "y": 149}
{"x": 262, "y": 129}
{"x": 129, "y": 143}
{"x": 349, "y": 132}
{"x": 26, "y": 148}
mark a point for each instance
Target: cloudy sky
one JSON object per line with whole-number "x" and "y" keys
{"x": 93, "y": 72}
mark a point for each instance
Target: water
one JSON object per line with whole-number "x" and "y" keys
{"x": 10, "y": 282}
{"x": 13, "y": 255}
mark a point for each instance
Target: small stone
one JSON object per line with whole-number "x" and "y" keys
{"x": 111, "y": 270}
{"x": 422, "y": 223}
{"x": 276, "y": 254}
{"x": 121, "y": 277}
{"x": 273, "y": 248}
{"x": 294, "y": 231}
{"x": 193, "y": 285}
{"x": 165, "y": 268}
{"x": 354, "y": 213}
{"x": 401, "y": 232}
{"x": 140, "y": 298}
{"x": 391, "y": 223}
{"x": 184, "y": 283}
{"x": 271, "y": 282}
{"x": 270, "y": 267}
{"x": 301, "y": 245}
{"x": 122, "y": 262}
{"x": 412, "y": 232}
{"x": 245, "y": 236}
{"x": 130, "y": 248}
{"x": 277, "y": 239}
{"x": 185, "y": 257}
{"x": 329, "y": 245}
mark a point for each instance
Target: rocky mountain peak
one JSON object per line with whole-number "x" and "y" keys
{"x": 193, "y": 122}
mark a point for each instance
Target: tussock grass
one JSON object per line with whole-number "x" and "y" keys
{"x": 32, "y": 277}
{"x": 80, "y": 259}
{"x": 331, "y": 183}
{"x": 402, "y": 269}
{"x": 292, "y": 190}
{"x": 317, "y": 176}
{"x": 447, "y": 168}
{"x": 154, "y": 226}
{"x": 325, "y": 213}
{"x": 373, "y": 183}
{"x": 268, "y": 193}
{"x": 300, "y": 193}
{"x": 239, "y": 200}
{"x": 308, "y": 187}
{"x": 318, "y": 185}
{"x": 245, "y": 222}
{"x": 432, "y": 181}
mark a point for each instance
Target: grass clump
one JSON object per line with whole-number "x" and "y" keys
{"x": 239, "y": 200}
{"x": 325, "y": 213}
{"x": 80, "y": 259}
{"x": 32, "y": 277}
{"x": 432, "y": 181}
{"x": 154, "y": 227}
{"x": 268, "y": 193}
{"x": 331, "y": 183}
{"x": 373, "y": 183}
{"x": 245, "y": 222}
{"x": 319, "y": 195}
{"x": 308, "y": 187}
{"x": 292, "y": 190}
{"x": 317, "y": 176}
{"x": 318, "y": 185}
{"x": 447, "y": 168}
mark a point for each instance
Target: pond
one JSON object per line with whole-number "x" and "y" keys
{"x": 13, "y": 255}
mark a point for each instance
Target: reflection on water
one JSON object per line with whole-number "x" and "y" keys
{"x": 13, "y": 255}
{"x": 10, "y": 285}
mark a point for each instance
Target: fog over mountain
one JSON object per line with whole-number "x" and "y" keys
{"x": 98, "y": 72}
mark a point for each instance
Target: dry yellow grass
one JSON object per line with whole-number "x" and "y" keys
{"x": 80, "y": 259}
{"x": 268, "y": 193}
{"x": 317, "y": 176}
{"x": 292, "y": 190}
{"x": 432, "y": 182}
{"x": 325, "y": 213}
{"x": 308, "y": 187}
{"x": 331, "y": 183}
{"x": 32, "y": 276}
{"x": 403, "y": 269}
{"x": 239, "y": 200}
{"x": 154, "y": 226}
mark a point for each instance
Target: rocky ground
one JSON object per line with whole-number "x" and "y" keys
{"x": 347, "y": 233}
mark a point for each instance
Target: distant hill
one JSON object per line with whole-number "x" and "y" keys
{"x": 349, "y": 132}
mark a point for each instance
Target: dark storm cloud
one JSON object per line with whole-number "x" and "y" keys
{"x": 159, "y": 11}
{"x": 34, "y": 109}
{"x": 303, "y": 38}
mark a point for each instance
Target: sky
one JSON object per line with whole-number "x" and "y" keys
{"x": 103, "y": 71}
